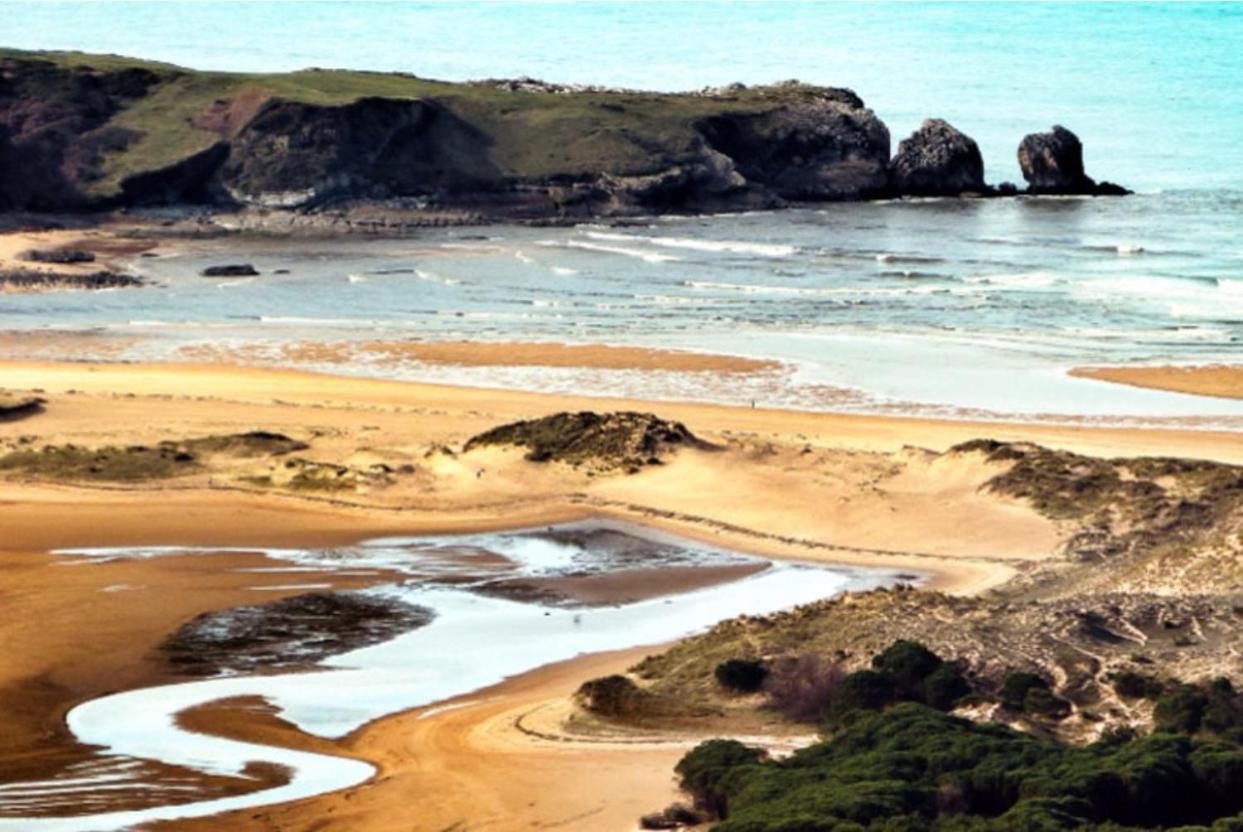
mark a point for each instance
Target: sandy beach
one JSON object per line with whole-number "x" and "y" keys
{"x": 1217, "y": 380}
{"x": 843, "y": 489}
{"x": 483, "y": 354}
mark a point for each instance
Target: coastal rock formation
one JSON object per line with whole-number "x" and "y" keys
{"x": 56, "y": 255}
{"x": 231, "y": 270}
{"x": 34, "y": 280}
{"x": 293, "y": 154}
{"x": 14, "y": 407}
{"x": 1052, "y": 163}
{"x": 84, "y": 133}
{"x": 605, "y": 441}
{"x": 937, "y": 160}
{"x": 77, "y": 137}
{"x": 824, "y": 146}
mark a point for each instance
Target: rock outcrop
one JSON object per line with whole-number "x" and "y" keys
{"x": 231, "y": 270}
{"x": 292, "y": 154}
{"x": 79, "y": 133}
{"x": 1052, "y": 163}
{"x": 825, "y": 146}
{"x": 937, "y": 160}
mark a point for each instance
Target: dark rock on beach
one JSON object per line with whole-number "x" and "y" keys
{"x": 1052, "y": 163}
{"x": 14, "y": 407}
{"x": 937, "y": 160}
{"x": 231, "y": 270}
{"x": 290, "y": 633}
{"x": 33, "y": 280}
{"x": 57, "y": 255}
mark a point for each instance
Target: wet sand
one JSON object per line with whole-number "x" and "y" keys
{"x": 1217, "y": 380}
{"x": 480, "y": 354}
{"x": 846, "y": 489}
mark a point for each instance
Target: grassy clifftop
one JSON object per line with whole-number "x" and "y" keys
{"x": 108, "y": 119}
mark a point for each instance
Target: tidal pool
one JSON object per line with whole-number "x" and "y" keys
{"x": 475, "y": 639}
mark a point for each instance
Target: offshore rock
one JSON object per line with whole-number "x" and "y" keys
{"x": 937, "y": 160}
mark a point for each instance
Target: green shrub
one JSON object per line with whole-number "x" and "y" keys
{"x": 944, "y": 687}
{"x": 1040, "y": 701}
{"x": 863, "y": 690}
{"x": 704, "y": 770}
{"x": 1132, "y": 685}
{"x": 1181, "y": 709}
{"x": 741, "y": 675}
{"x": 907, "y": 663}
{"x": 612, "y": 696}
{"x": 1015, "y": 686}
{"x": 914, "y": 769}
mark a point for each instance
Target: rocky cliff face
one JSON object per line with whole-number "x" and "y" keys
{"x": 293, "y": 154}
{"x": 55, "y": 130}
{"x": 826, "y": 147}
{"x": 79, "y": 133}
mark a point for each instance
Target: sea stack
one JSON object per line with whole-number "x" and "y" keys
{"x": 1052, "y": 163}
{"x": 937, "y": 160}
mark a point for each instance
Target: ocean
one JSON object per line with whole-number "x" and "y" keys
{"x": 942, "y": 307}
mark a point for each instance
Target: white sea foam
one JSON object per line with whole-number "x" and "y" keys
{"x": 432, "y": 277}
{"x": 692, "y": 244}
{"x": 1018, "y": 280}
{"x": 297, "y": 320}
{"x": 645, "y": 256}
{"x": 812, "y": 291}
{"x": 564, "y": 271}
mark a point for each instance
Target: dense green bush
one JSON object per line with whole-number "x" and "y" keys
{"x": 704, "y": 770}
{"x": 907, "y": 663}
{"x": 741, "y": 675}
{"x": 613, "y": 696}
{"x": 863, "y": 690}
{"x": 1181, "y": 709}
{"x": 1132, "y": 685}
{"x": 1215, "y": 708}
{"x": 914, "y": 769}
{"x": 944, "y": 687}
{"x": 810, "y": 688}
{"x": 1015, "y": 686}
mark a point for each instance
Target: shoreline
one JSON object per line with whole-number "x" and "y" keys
{"x": 739, "y": 499}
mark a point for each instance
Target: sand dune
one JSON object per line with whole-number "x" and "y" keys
{"x": 834, "y": 488}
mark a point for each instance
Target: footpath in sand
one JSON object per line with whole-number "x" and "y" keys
{"x": 845, "y": 489}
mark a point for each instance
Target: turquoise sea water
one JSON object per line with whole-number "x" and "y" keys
{"x": 1155, "y": 90}
{"x": 942, "y": 306}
